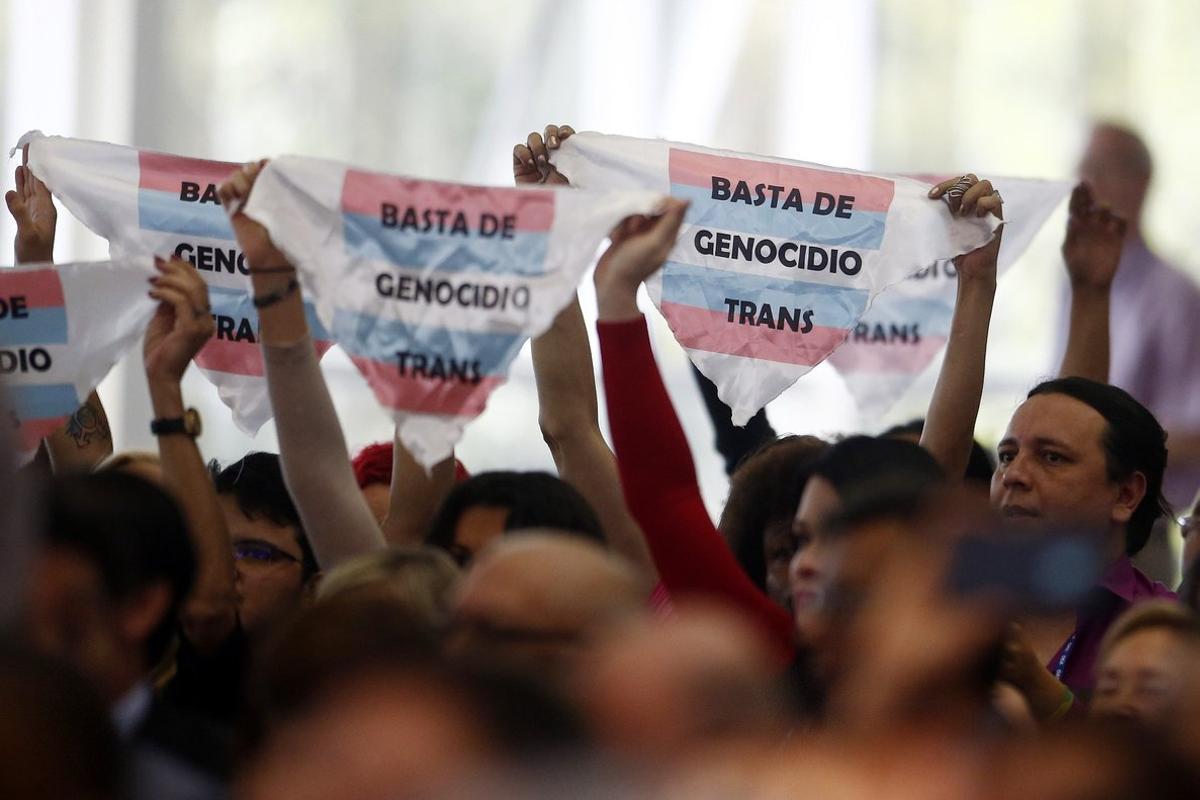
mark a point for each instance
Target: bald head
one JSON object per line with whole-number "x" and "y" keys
{"x": 1118, "y": 167}
{"x": 537, "y": 596}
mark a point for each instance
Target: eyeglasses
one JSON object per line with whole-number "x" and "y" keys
{"x": 261, "y": 552}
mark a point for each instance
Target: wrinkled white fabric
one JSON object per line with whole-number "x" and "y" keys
{"x": 777, "y": 260}
{"x": 146, "y": 203}
{"x": 432, "y": 288}
{"x": 62, "y": 328}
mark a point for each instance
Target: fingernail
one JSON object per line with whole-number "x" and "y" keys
{"x": 541, "y": 158}
{"x": 932, "y": 191}
{"x": 554, "y": 141}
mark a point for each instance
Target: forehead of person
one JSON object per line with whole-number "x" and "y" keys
{"x": 1117, "y": 165}
{"x": 1054, "y": 467}
{"x": 545, "y": 585}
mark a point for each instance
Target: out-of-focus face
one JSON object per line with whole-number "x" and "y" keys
{"x": 477, "y": 527}
{"x": 270, "y": 572}
{"x": 809, "y": 567}
{"x": 375, "y": 740}
{"x": 378, "y": 497}
{"x": 1108, "y": 166}
{"x": 1052, "y": 468}
{"x": 1144, "y": 677}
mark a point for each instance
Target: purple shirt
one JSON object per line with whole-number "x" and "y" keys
{"x": 1122, "y": 586}
{"x": 1155, "y": 340}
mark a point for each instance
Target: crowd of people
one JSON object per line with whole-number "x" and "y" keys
{"x": 896, "y": 614}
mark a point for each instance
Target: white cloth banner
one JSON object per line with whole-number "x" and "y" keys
{"x": 908, "y": 325}
{"x": 432, "y": 288}
{"x": 62, "y": 328}
{"x": 777, "y": 260}
{"x": 145, "y": 203}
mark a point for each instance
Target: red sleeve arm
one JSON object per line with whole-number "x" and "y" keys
{"x": 661, "y": 488}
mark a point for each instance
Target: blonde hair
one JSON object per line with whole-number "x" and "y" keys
{"x": 1161, "y": 614}
{"x": 421, "y": 578}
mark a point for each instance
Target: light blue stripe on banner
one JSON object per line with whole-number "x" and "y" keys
{"x": 36, "y": 401}
{"x": 44, "y": 325}
{"x": 237, "y": 303}
{"x": 164, "y": 211}
{"x": 524, "y": 254}
{"x": 365, "y": 336}
{"x": 864, "y": 229}
{"x": 836, "y": 306}
{"x": 934, "y": 314}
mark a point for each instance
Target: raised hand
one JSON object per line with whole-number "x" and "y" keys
{"x": 968, "y": 196}
{"x": 252, "y": 237}
{"x": 33, "y": 210}
{"x": 531, "y": 161}
{"x": 182, "y": 324}
{"x": 1092, "y": 247}
{"x": 640, "y": 245}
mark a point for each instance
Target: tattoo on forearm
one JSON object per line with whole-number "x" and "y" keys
{"x": 85, "y": 424}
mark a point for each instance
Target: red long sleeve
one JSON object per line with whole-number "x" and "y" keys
{"x": 661, "y": 488}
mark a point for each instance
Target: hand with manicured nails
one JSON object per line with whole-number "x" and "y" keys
{"x": 1092, "y": 247}
{"x": 531, "y": 161}
{"x": 182, "y": 324}
{"x": 639, "y": 246}
{"x": 252, "y": 237}
{"x": 978, "y": 201}
{"x": 33, "y": 210}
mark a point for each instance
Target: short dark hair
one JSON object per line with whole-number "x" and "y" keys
{"x": 533, "y": 500}
{"x": 1133, "y": 442}
{"x": 133, "y": 532}
{"x": 859, "y": 465}
{"x": 256, "y": 482}
{"x": 765, "y": 488}
{"x": 980, "y": 465}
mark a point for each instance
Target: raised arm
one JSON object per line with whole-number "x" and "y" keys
{"x": 1092, "y": 252}
{"x": 180, "y": 327}
{"x": 657, "y": 473}
{"x": 86, "y": 439}
{"x": 950, "y": 423}
{"x": 568, "y": 413}
{"x": 312, "y": 449}
{"x": 416, "y": 496}
{"x": 570, "y": 421}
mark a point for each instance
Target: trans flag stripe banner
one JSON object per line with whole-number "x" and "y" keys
{"x": 777, "y": 261}
{"x": 908, "y": 325}
{"x": 62, "y": 327}
{"x": 433, "y": 288}
{"x": 148, "y": 203}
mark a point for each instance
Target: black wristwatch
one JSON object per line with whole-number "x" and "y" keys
{"x": 189, "y": 424}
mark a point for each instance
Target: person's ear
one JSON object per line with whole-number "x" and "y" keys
{"x": 1130, "y": 493}
{"x": 141, "y": 614}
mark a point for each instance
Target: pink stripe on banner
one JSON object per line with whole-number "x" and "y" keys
{"x": 41, "y": 288}
{"x": 711, "y": 331}
{"x": 425, "y": 395}
{"x": 697, "y": 169}
{"x": 240, "y": 358}
{"x": 888, "y": 357}
{"x": 365, "y": 192}
{"x": 166, "y": 172}
{"x": 236, "y": 358}
{"x": 34, "y": 430}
